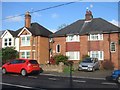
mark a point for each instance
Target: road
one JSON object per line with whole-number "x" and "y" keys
{"x": 44, "y": 82}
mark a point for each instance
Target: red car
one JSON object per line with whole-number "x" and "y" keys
{"x": 22, "y": 66}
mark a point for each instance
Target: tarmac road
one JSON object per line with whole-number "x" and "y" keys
{"x": 45, "y": 82}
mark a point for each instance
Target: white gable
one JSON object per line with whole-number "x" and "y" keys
{"x": 7, "y": 35}
{"x": 23, "y": 30}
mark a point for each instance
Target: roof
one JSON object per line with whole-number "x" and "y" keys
{"x": 82, "y": 27}
{"x": 1, "y": 32}
{"x": 38, "y": 30}
{"x": 14, "y": 33}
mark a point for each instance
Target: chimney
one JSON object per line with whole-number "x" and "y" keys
{"x": 88, "y": 15}
{"x": 27, "y": 20}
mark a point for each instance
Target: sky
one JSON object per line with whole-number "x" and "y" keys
{"x": 55, "y": 17}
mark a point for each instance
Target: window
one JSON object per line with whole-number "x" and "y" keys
{"x": 10, "y": 41}
{"x": 25, "y": 54}
{"x": 25, "y": 40}
{"x": 58, "y": 48}
{"x": 28, "y": 54}
{"x": 96, "y": 37}
{"x": 97, "y": 54}
{"x": 72, "y": 38}
{"x": 73, "y": 55}
{"x": 7, "y": 41}
{"x": 14, "y": 62}
{"x": 112, "y": 47}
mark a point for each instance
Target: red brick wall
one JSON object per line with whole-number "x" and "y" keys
{"x": 72, "y": 46}
{"x": 62, "y": 42}
{"x": 85, "y": 46}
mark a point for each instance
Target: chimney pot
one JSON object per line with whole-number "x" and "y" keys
{"x": 88, "y": 15}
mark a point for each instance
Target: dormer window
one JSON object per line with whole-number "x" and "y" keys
{"x": 72, "y": 38}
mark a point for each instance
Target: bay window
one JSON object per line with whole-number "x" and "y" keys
{"x": 73, "y": 55}
{"x": 97, "y": 54}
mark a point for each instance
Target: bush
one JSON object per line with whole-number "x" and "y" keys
{"x": 108, "y": 65}
{"x": 9, "y": 53}
{"x": 60, "y": 58}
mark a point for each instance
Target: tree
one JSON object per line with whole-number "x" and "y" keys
{"x": 60, "y": 58}
{"x": 62, "y": 26}
{"x": 9, "y": 53}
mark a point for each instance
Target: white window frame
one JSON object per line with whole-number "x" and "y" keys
{"x": 73, "y": 38}
{"x": 95, "y": 53}
{"x": 26, "y": 42}
{"x": 95, "y": 37}
{"x": 7, "y": 42}
{"x": 57, "y": 48}
{"x": 111, "y": 47}
{"x": 75, "y": 53}
{"x": 25, "y": 53}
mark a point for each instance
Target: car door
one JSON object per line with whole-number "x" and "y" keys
{"x": 18, "y": 66}
{"x": 10, "y": 66}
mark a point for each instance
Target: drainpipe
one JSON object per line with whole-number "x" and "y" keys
{"x": 110, "y": 46}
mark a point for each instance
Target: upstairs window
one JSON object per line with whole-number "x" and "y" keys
{"x": 72, "y": 38}
{"x": 58, "y": 48}
{"x": 25, "y": 40}
{"x": 94, "y": 37}
{"x": 7, "y": 42}
{"x": 112, "y": 46}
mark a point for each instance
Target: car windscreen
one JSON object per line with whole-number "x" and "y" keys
{"x": 33, "y": 62}
{"x": 87, "y": 60}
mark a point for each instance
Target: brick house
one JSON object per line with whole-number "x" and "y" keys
{"x": 34, "y": 41}
{"x": 9, "y": 39}
{"x": 95, "y": 37}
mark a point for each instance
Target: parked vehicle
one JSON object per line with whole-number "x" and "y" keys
{"x": 89, "y": 64}
{"x": 22, "y": 66}
{"x": 116, "y": 75}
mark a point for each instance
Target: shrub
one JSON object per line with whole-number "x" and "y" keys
{"x": 60, "y": 58}
{"x": 9, "y": 53}
{"x": 108, "y": 65}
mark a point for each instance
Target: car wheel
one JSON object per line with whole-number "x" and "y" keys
{"x": 23, "y": 72}
{"x": 4, "y": 71}
{"x": 79, "y": 69}
{"x": 118, "y": 79}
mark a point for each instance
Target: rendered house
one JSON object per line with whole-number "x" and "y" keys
{"x": 1, "y": 32}
{"x": 9, "y": 39}
{"x": 34, "y": 41}
{"x": 95, "y": 37}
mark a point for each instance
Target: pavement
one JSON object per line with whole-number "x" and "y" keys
{"x": 98, "y": 74}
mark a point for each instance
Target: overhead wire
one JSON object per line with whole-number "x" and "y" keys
{"x": 43, "y": 9}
